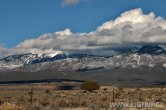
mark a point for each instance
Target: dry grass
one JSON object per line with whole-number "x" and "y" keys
{"x": 52, "y": 99}
{"x": 11, "y": 106}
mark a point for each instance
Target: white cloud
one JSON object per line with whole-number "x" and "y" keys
{"x": 131, "y": 28}
{"x": 135, "y": 27}
{"x": 72, "y": 2}
{"x": 69, "y": 2}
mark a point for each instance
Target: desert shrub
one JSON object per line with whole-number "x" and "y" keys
{"x": 66, "y": 87}
{"x": 44, "y": 102}
{"x": 158, "y": 100}
{"x": 1, "y": 101}
{"x": 105, "y": 89}
{"x": 120, "y": 89}
{"x": 140, "y": 99}
{"x": 138, "y": 89}
{"x": 47, "y": 91}
{"x": 90, "y": 86}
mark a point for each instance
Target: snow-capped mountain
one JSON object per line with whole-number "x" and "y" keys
{"x": 146, "y": 56}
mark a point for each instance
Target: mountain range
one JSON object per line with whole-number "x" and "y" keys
{"x": 150, "y": 56}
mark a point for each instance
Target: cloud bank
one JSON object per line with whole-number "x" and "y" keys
{"x": 131, "y": 28}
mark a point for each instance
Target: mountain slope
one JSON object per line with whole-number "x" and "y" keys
{"x": 146, "y": 56}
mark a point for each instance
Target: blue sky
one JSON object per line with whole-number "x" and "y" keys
{"x": 25, "y": 19}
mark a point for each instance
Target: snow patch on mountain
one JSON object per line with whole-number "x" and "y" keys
{"x": 54, "y": 54}
{"x": 164, "y": 65}
{"x": 145, "y": 56}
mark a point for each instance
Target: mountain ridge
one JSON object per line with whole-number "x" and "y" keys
{"x": 147, "y": 55}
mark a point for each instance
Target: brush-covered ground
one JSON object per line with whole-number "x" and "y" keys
{"x": 54, "y": 96}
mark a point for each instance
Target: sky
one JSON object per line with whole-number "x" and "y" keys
{"x": 79, "y": 25}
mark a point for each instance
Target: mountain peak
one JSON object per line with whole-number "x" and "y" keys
{"x": 151, "y": 49}
{"x": 85, "y": 62}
